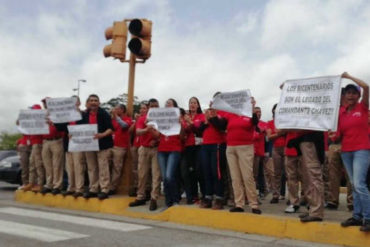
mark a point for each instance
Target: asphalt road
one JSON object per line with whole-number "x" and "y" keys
{"x": 28, "y": 225}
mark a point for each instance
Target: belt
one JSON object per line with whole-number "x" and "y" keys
{"x": 53, "y": 139}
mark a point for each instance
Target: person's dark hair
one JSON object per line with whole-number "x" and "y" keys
{"x": 152, "y": 100}
{"x": 123, "y": 107}
{"x": 217, "y": 93}
{"x": 342, "y": 91}
{"x": 257, "y": 107}
{"x": 352, "y": 87}
{"x": 199, "y": 109}
{"x": 93, "y": 96}
{"x": 182, "y": 112}
{"x": 174, "y": 102}
{"x": 273, "y": 108}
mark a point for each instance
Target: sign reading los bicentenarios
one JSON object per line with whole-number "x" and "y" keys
{"x": 238, "y": 102}
{"x": 63, "y": 110}
{"x": 309, "y": 104}
{"x": 165, "y": 120}
{"x": 33, "y": 122}
{"x": 82, "y": 138}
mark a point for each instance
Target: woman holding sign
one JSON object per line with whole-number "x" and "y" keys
{"x": 353, "y": 128}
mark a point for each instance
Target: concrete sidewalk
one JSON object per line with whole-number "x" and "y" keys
{"x": 273, "y": 221}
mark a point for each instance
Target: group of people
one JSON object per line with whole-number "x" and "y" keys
{"x": 216, "y": 156}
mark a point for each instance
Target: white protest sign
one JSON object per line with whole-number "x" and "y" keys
{"x": 238, "y": 102}
{"x": 310, "y": 104}
{"x": 33, "y": 122}
{"x": 63, "y": 110}
{"x": 166, "y": 120}
{"x": 82, "y": 138}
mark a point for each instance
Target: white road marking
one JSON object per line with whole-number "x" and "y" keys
{"x": 36, "y": 232}
{"x": 85, "y": 221}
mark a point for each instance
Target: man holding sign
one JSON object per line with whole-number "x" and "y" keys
{"x": 310, "y": 105}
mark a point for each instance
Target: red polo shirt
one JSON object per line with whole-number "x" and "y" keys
{"x": 170, "y": 144}
{"x": 280, "y": 141}
{"x": 121, "y": 136}
{"x": 93, "y": 118}
{"x": 240, "y": 130}
{"x": 353, "y": 127}
{"x": 146, "y": 139}
{"x": 211, "y": 135}
{"x": 53, "y": 133}
{"x": 24, "y": 140}
{"x": 290, "y": 151}
{"x": 189, "y": 129}
{"x": 259, "y": 139}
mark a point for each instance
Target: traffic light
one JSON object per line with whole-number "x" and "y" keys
{"x": 118, "y": 34}
{"x": 140, "y": 44}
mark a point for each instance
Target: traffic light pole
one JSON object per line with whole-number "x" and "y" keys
{"x": 131, "y": 83}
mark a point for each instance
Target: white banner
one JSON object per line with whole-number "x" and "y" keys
{"x": 82, "y": 138}
{"x": 63, "y": 110}
{"x": 33, "y": 122}
{"x": 309, "y": 104}
{"x": 238, "y": 102}
{"x": 165, "y": 120}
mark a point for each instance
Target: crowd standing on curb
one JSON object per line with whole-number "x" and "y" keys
{"x": 218, "y": 158}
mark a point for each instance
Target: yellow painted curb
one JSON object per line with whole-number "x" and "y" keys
{"x": 276, "y": 226}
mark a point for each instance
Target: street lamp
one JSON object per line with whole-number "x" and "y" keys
{"x": 78, "y": 86}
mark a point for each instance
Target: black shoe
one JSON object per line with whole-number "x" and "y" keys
{"x": 366, "y": 226}
{"x": 153, "y": 205}
{"x": 274, "y": 200}
{"x": 351, "y": 222}
{"x": 288, "y": 202}
{"x": 77, "y": 194}
{"x": 45, "y": 190}
{"x": 137, "y": 203}
{"x": 55, "y": 191}
{"x": 236, "y": 210}
{"x": 147, "y": 195}
{"x": 112, "y": 192}
{"x": 256, "y": 211}
{"x": 67, "y": 193}
{"x": 310, "y": 219}
{"x": 332, "y": 206}
{"x": 102, "y": 196}
{"x": 89, "y": 194}
{"x": 303, "y": 215}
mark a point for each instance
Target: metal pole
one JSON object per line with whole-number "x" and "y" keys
{"x": 131, "y": 82}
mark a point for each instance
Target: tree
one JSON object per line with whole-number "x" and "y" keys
{"x": 121, "y": 99}
{"x": 8, "y": 141}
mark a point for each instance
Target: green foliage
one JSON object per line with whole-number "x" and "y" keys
{"x": 8, "y": 141}
{"x": 121, "y": 99}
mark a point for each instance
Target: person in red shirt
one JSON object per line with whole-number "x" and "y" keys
{"x": 121, "y": 124}
{"x": 53, "y": 158}
{"x": 148, "y": 160}
{"x": 191, "y": 172}
{"x": 278, "y": 138}
{"x": 169, "y": 154}
{"x": 24, "y": 149}
{"x": 353, "y": 129}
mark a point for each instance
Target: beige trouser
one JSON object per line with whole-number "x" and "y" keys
{"x": 240, "y": 161}
{"x": 24, "y": 153}
{"x": 53, "y": 159}
{"x": 76, "y": 171}
{"x": 148, "y": 160}
{"x": 278, "y": 158}
{"x": 268, "y": 169}
{"x": 98, "y": 170}
{"x": 313, "y": 172}
{"x": 37, "y": 170}
{"x": 118, "y": 162}
{"x": 335, "y": 167}
{"x": 135, "y": 158}
{"x": 292, "y": 169}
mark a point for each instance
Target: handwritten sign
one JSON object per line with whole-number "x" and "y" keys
{"x": 165, "y": 120}
{"x": 238, "y": 102}
{"x": 82, "y": 138}
{"x": 63, "y": 110}
{"x": 310, "y": 104}
{"x": 33, "y": 122}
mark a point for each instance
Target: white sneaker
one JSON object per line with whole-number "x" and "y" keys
{"x": 291, "y": 209}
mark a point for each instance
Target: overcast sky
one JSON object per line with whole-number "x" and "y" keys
{"x": 198, "y": 47}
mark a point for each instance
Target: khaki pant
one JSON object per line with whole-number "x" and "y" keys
{"x": 148, "y": 160}
{"x": 313, "y": 172}
{"x": 37, "y": 170}
{"x": 335, "y": 167}
{"x": 24, "y": 153}
{"x": 118, "y": 162}
{"x": 98, "y": 170}
{"x": 76, "y": 171}
{"x": 135, "y": 158}
{"x": 53, "y": 159}
{"x": 278, "y": 159}
{"x": 293, "y": 169}
{"x": 240, "y": 160}
{"x": 268, "y": 170}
